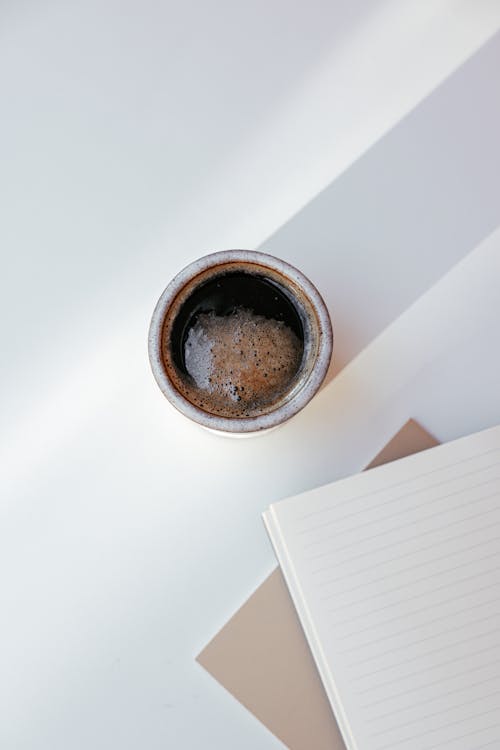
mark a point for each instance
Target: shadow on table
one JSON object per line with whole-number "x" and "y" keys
{"x": 405, "y": 212}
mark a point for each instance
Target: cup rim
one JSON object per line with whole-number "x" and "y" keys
{"x": 282, "y": 412}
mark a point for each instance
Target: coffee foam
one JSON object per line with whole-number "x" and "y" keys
{"x": 241, "y": 362}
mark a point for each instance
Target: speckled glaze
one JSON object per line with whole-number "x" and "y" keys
{"x": 318, "y": 339}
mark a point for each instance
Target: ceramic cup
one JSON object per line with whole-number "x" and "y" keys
{"x": 240, "y": 341}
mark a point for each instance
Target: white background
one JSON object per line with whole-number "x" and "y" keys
{"x": 134, "y": 137}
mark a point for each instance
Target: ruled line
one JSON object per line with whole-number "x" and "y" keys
{"x": 464, "y": 737}
{"x": 428, "y": 561}
{"x": 406, "y": 511}
{"x": 433, "y": 683}
{"x": 433, "y": 699}
{"x": 440, "y": 728}
{"x": 405, "y": 526}
{"x": 426, "y": 668}
{"x": 404, "y": 555}
{"x": 356, "y": 513}
{"x": 443, "y": 711}
{"x": 409, "y": 644}
{"x": 370, "y": 493}
{"x": 419, "y": 596}
{"x": 417, "y": 612}
{"x": 430, "y": 576}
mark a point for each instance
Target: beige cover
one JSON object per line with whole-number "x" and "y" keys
{"x": 262, "y": 658}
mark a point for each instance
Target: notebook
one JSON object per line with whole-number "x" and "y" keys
{"x": 262, "y": 658}
{"x": 395, "y": 575}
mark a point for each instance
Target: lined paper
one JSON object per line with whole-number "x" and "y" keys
{"x": 395, "y": 574}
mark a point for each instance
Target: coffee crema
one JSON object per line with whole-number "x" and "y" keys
{"x": 241, "y": 361}
{"x": 237, "y": 344}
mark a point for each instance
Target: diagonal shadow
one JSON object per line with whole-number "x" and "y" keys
{"x": 409, "y": 209}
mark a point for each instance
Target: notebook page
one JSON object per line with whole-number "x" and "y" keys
{"x": 395, "y": 574}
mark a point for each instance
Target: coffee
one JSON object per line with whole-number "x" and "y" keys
{"x": 237, "y": 343}
{"x": 240, "y": 341}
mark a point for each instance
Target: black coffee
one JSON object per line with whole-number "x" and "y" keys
{"x": 237, "y": 344}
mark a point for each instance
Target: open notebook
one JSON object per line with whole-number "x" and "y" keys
{"x": 395, "y": 574}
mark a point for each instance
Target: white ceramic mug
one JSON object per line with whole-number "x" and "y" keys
{"x": 254, "y": 276}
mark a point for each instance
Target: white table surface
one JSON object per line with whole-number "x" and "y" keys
{"x": 133, "y": 137}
